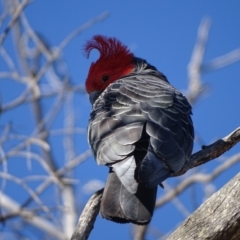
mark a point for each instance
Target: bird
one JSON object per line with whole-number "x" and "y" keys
{"x": 140, "y": 127}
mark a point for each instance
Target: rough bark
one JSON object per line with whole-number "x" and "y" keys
{"x": 217, "y": 218}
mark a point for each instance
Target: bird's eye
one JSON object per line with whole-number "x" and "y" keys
{"x": 105, "y": 78}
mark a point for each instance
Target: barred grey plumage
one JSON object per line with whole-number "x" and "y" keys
{"x": 140, "y": 127}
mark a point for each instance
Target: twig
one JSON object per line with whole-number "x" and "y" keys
{"x": 83, "y": 28}
{"x": 52, "y": 56}
{"x": 25, "y": 98}
{"x": 222, "y": 61}
{"x": 15, "y": 17}
{"x": 8, "y": 60}
{"x": 60, "y": 172}
{"x": 195, "y": 86}
{"x": 39, "y": 43}
{"x": 176, "y": 202}
{"x": 10, "y": 177}
{"x": 12, "y": 75}
{"x": 30, "y": 217}
{"x": 63, "y": 131}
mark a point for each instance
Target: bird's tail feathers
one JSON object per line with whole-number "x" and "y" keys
{"x": 119, "y": 205}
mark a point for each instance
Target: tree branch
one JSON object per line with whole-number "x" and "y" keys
{"x": 14, "y": 19}
{"x": 212, "y": 151}
{"x": 222, "y": 61}
{"x": 14, "y": 209}
{"x": 217, "y": 218}
{"x": 195, "y": 86}
{"x": 88, "y": 216}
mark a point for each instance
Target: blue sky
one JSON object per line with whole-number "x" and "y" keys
{"x": 164, "y": 33}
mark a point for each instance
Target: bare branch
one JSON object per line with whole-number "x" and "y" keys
{"x": 87, "y": 218}
{"x": 15, "y": 209}
{"x": 3, "y": 16}
{"x": 25, "y": 98}
{"x": 11, "y": 75}
{"x": 222, "y": 61}
{"x": 82, "y": 28}
{"x": 15, "y": 17}
{"x": 4, "y": 168}
{"x": 67, "y": 130}
{"x": 176, "y": 201}
{"x": 195, "y": 86}
{"x": 42, "y": 72}
{"x": 60, "y": 172}
{"x": 39, "y": 43}
{"x": 51, "y": 57}
{"x": 29, "y": 190}
{"x": 212, "y": 151}
{"x": 8, "y": 59}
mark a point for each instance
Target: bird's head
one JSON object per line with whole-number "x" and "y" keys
{"x": 115, "y": 61}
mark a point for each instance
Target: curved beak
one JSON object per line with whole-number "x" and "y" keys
{"x": 93, "y": 96}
